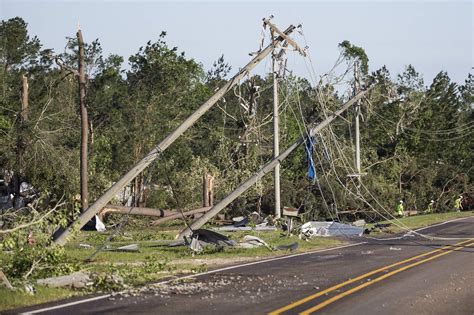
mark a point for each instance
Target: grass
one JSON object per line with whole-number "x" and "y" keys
{"x": 12, "y": 299}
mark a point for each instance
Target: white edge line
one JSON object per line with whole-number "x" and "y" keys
{"x": 100, "y": 297}
{"x": 260, "y": 262}
{"x": 438, "y": 224}
{"x": 225, "y": 268}
{"x": 196, "y": 275}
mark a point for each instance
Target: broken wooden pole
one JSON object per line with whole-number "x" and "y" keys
{"x": 109, "y": 209}
{"x": 178, "y": 215}
{"x": 268, "y": 167}
{"x": 60, "y": 237}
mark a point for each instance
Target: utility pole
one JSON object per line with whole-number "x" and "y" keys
{"x": 276, "y": 134}
{"x": 81, "y": 78}
{"x": 276, "y": 116}
{"x": 357, "y": 113}
{"x": 60, "y": 237}
{"x": 268, "y": 167}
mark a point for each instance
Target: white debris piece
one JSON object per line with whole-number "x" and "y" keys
{"x": 331, "y": 228}
{"x": 74, "y": 280}
{"x": 99, "y": 225}
{"x": 250, "y": 241}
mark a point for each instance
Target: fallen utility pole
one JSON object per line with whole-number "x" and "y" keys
{"x": 266, "y": 169}
{"x": 60, "y": 237}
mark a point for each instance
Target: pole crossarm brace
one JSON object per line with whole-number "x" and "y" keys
{"x": 61, "y": 236}
{"x": 268, "y": 167}
{"x": 285, "y": 36}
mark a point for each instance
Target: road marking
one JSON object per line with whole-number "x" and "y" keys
{"x": 100, "y": 297}
{"x": 442, "y": 223}
{"x": 194, "y": 276}
{"x": 340, "y": 285}
{"x": 366, "y": 284}
{"x": 213, "y": 271}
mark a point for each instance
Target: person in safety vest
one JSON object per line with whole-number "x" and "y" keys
{"x": 399, "y": 209}
{"x": 430, "y": 207}
{"x": 458, "y": 204}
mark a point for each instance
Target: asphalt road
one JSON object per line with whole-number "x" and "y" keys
{"x": 400, "y": 276}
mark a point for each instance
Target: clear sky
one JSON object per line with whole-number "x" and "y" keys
{"x": 431, "y": 35}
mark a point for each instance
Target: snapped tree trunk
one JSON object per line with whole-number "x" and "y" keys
{"x": 84, "y": 123}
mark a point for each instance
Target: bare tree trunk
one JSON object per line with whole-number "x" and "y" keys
{"x": 84, "y": 124}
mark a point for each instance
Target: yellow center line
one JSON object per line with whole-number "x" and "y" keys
{"x": 360, "y": 287}
{"x": 340, "y": 285}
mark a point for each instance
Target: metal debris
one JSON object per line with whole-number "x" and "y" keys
{"x": 202, "y": 238}
{"x": 291, "y": 247}
{"x": 127, "y": 248}
{"x": 250, "y": 241}
{"x": 325, "y": 229}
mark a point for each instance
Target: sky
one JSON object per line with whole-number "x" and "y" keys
{"x": 431, "y": 35}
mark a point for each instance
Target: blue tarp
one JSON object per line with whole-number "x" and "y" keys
{"x": 309, "y": 143}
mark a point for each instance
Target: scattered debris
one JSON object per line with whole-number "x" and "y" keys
{"x": 359, "y": 223}
{"x": 127, "y": 248}
{"x": 84, "y": 245}
{"x": 29, "y": 289}
{"x": 202, "y": 238}
{"x": 319, "y": 228}
{"x": 99, "y": 225}
{"x": 196, "y": 246}
{"x": 250, "y": 241}
{"x": 291, "y": 247}
{"x": 77, "y": 280}
{"x": 242, "y": 222}
{"x": 177, "y": 243}
{"x": 232, "y": 228}
{"x": 378, "y": 227}
{"x": 95, "y": 224}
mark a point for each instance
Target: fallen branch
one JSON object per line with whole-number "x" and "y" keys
{"x": 22, "y": 226}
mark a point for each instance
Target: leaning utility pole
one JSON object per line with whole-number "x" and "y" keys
{"x": 268, "y": 167}
{"x": 60, "y": 237}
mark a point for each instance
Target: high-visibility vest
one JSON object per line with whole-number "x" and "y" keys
{"x": 400, "y": 209}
